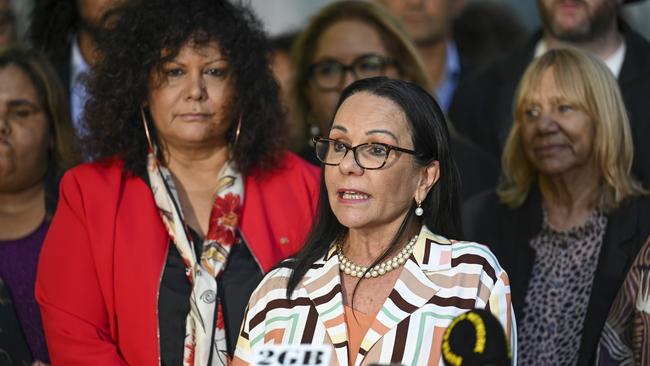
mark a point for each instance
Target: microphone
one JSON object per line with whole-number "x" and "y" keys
{"x": 475, "y": 338}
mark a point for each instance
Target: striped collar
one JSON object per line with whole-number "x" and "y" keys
{"x": 413, "y": 289}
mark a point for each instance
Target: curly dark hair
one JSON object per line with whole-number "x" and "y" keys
{"x": 140, "y": 36}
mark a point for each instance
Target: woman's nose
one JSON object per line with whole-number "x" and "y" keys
{"x": 196, "y": 87}
{"x": 349, "y": 165}
{"x": 4, "y": 124}
{"x": 547, "y": 123}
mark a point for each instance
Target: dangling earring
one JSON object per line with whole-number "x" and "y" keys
{"x": 234, "y": 144}
{"x": 419, "y": 211}
{"x": 146, "y": 129}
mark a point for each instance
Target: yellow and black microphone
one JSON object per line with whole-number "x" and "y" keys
{"x": 475, "y": 338}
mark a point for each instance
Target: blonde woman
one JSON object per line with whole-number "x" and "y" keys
{"x": 567, "y": 219}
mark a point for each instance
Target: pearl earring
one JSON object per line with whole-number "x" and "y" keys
{"x": 419, "y": 211}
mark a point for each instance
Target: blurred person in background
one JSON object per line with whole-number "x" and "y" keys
{"x": 626, "y": 335}
{"x": 156, "y": 247}
{"x": 429, "y": 23}
{"x": 350, "y": 40}
{"x": 66, "y": 31}
{"x": 284, "y": 71}
{"x": 487, "y": 30}
{"x": 482, "y": 107}
{"x": 7, "y": 23}
{"x": 568, "y": 219}
{"x": 36, "y": 138}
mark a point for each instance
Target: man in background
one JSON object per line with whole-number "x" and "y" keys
{"x": 66, "y": 30}
{"x": 429, "y": 23}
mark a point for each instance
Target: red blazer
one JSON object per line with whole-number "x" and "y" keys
{"x": 102, "y": 260}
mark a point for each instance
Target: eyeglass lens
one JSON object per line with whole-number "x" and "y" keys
{"x": 368, "y": 156}
{"x": 331, "y": 74}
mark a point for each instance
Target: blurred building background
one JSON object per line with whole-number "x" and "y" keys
{"x": 280, "y": 16}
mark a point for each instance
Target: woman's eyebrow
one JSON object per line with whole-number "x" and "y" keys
{"x": 21, "y": 102}
{"x": 383, "y": 132}
{"x": 339, "y": 127}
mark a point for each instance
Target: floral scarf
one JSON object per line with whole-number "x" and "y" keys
{"x": 205, "y": 337}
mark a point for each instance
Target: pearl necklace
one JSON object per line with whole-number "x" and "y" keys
{"x": 352, "y": 269}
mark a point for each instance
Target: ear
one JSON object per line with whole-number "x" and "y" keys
{"x": 428, "y": 178}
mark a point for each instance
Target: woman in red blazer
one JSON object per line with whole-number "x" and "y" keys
{"x": 156, "y": 246}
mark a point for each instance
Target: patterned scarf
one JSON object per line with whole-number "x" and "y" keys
{"x": 203, "y": 335}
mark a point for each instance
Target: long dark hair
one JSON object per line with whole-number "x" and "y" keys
{"x": 431, "y": 142}
{"x": 52, "y": 97}
{"x": 140, "y": 36}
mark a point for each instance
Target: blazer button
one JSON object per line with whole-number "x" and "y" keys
{"x": 284, "y": 240}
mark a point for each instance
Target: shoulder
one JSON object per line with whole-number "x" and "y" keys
{"x": 632, "y": 216}
{"x": 105, "y": 170}
{"x": 97, "y": 183}
{"x": 635, "y": 42}
{"x": 637, "y": 57}
{"x": 469, "y": 252}
{"x": 273, "y": 286}
{"x": 638, "y": 206}
{"x": 464, "y": 256}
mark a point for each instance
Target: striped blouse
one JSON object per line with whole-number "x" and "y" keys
{"x": 440, "y": 280}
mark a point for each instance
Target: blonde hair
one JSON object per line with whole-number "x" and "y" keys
{"x": 396, "y": 40}
{"x": 587, "y": 83}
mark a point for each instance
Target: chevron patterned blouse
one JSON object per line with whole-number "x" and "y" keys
{"x": 440, "y": 280}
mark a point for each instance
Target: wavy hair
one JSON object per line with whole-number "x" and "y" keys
{"x": 587, "y": 83}
{"x": 395, "y": 40}
{"x": 430, "y": 138}
{"x": 140, "y": 36}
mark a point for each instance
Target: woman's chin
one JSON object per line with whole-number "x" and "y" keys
{"x": 197, "y": 139}
{"x": 354, "y": 222}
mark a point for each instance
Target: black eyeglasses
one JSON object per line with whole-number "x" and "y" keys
{"x": 329, "y": 75}
{"x": 371, "y": 155}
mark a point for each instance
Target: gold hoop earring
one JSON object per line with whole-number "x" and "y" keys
{"x": 237, "y": 131}
{"x": 146, "y": 129}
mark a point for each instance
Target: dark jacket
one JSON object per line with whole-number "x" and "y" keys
{"x": 482, "y": 106}
{"x": 508, "y": 232}
{"x": 13, "y": 345}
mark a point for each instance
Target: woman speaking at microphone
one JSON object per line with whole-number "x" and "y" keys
{"x": 378, "y": 278}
